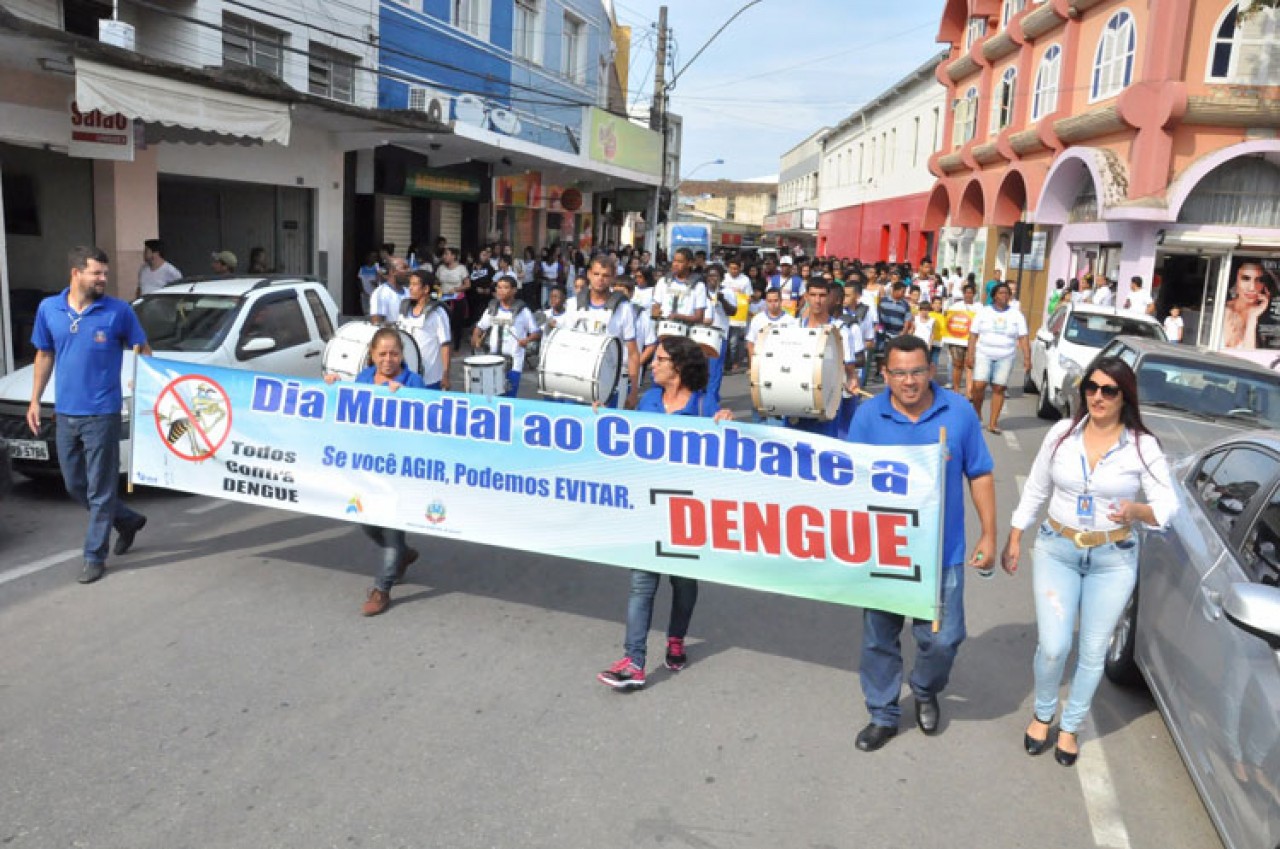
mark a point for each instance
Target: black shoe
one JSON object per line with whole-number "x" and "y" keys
{"x": 91, "y": 572}
{"x": 125, "y": 535}
{"x": 1066, "y": 758}
{"x": 928, "y": 714}
{"x": 875, "y": 736}
{"x": 1035, "y": 747}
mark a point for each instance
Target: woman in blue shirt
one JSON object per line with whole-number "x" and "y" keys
{"x": 386, "y": 351}
{"x": 680, "y": 380}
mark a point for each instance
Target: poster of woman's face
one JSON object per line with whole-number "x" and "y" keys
{"x": 1251, "y": 319}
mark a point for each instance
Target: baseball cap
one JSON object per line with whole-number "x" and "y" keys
{"x": 227, "y": 258}
{"x": 786, "y": 260}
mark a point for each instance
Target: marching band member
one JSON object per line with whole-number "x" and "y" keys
{"x": 646, "y": 334}
{"x": 818, "y": 300}
{"x": 598, "y": 308}
{"x": 720, "y": 302}
{"x": 680, "y": 295}
{"x": 506, "y": 328}
{"x": 427, "y": 321}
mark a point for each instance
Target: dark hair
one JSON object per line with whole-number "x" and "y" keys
{"x": 424, "y": 275}
{"x": 1130, "y": 414}
{"x": 604, "y": 262}
{"x": 686, "y": 253}
{"x": 154, "y": 245}
{"x": 818, "y": 283}
{"x": 646, "y": 273}
{"x": 688, "y": 360}
{"x": 389, "y": 247}
{"x": 996, "y": 288}
{"x": 79, "y": 256}
{"x": 906, "y": 343}
{"x": 969, "y": 287}
{"x": 387, "y": 332}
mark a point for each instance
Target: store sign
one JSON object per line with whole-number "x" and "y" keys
{"x": 796, "y": 219}
{"x": 98, "y": 136}
{"x": 616, "y": 141}
{"x": 1033, "y": 261}
{"x": 426, "y": 183}
{"x": 518, "y": 190}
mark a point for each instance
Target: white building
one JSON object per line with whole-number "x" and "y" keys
{"x": 796, "y": 221}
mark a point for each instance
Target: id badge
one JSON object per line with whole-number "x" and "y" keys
{"x": 1084, "y": 506}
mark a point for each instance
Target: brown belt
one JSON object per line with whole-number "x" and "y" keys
{"x": 1090, "y": 539}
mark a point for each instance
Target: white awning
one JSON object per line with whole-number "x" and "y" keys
{"x": 165, "y": 101}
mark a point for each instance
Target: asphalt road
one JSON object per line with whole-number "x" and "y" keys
{"x": 220, "y": 689}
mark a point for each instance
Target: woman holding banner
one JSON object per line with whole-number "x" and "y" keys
{"x": 680, "y": 380}
{"x": 386, "y": 351}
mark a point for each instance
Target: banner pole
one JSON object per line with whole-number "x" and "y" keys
{"x": 937, "y": 597}
{"x": 133, "y": 415}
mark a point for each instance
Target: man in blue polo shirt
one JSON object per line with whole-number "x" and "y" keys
{"x": 82, "y": 332}
{"x": 912, "y": 412}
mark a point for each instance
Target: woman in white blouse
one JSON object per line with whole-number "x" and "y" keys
{"x": 1089, "y": 469}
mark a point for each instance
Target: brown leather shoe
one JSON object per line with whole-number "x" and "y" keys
{"x": 377, "y": 602}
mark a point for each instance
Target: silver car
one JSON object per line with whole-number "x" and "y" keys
{"x": 1203, "y": 630}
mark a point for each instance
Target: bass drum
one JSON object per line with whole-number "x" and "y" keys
{"x": 347, "y": 353}
{"x": 798, "y": 371}
{"x": 710, "y": 339}
{"x": 579, "y": 366}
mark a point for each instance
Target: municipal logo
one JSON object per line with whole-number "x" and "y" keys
{"x": 354, "y": 506}
{"x": 435, "y": 512}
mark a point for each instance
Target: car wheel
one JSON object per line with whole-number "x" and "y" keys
{"x": 1120, "y": 666}
{"x": 1046, "y": 409}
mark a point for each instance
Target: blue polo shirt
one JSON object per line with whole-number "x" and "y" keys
{"x": 877, "y": 423}
{"x": 408, "y": 378}
{"x": 88, "y": 351}
{"x": 700, "y": 404}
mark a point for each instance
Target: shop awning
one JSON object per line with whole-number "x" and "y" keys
{"x": 165, "y": 101}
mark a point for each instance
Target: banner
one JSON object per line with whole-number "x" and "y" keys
{"x": 747, "y": 505}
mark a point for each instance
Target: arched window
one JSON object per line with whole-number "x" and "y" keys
{"x": 1045, "y": 99}
{"x": 1011, "y": 10}
{"x": 1002, "y": 102}
{"x": 966, "y": 118}
{"x": 1244, "y": 192}
{"x": 1113, "y": 64}
{"x": 1246, "y": 50}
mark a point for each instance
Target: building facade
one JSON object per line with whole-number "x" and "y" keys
{"x": 874, "y": 183}
{"x": 796, "y": 222}
{"x": 736, "y": 209}
{"x": 1138, "y": 138}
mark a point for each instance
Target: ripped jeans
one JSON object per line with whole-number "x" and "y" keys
{"x": 1092, "y": 584}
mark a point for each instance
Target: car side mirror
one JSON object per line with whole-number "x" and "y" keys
{"x": 258, "y": 345}
{"x": 1255, "y": 609}
{"x": 1045, "y": 336}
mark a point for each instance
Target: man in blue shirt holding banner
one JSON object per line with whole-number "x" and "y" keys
{"x": 83, "y": 333}
{"x": 914, "y": 411}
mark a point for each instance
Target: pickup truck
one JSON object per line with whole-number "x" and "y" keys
{"x": 272, "y": 324}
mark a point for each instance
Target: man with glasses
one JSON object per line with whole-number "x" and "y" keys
{"x": 915, "y": 411}
{"x": 83, "y": 332}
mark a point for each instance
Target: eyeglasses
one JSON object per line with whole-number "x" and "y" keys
{"x": 903, "y": 373}
{"x": 1110, "y": 391}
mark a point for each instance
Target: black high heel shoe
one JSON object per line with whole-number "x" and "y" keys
{"x": 1065, "y": 758}
{"x": 1035, "y": 747}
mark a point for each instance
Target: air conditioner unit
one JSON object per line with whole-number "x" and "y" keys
{"x": 426, "y": 99}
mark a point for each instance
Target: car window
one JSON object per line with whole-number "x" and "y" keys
{"x": 188, "y": 322}
{"x": 1214, "y": 389}
{"x": 1228, "y": 483}
{"x": 1094, "y": 330}
{"x": 279, "y": 318}
{"x": 1260, "y": 550}
{"x": 321, "y": 316}
{"x": 1057, "y": 320}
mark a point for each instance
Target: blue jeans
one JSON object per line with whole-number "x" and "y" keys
{"x": 513, "y": 384}
{"x": 1093, "y": 584}
{"x": 644, "y": 586}
{"x": 881, "y": 665}
{"x": 393, "y": 546}
{"x": 715, "y": 375}
{"x": 737, "y": 345}
{"x": 89, "y": 454}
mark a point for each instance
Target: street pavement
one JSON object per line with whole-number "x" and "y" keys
{"x": 218, "y": 688}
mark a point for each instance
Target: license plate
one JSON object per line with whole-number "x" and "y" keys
{"x": 28, "y": 449}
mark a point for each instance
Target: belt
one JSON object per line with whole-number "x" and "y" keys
{"x": 1090, "y": 539}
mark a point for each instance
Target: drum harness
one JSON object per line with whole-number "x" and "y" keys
{"x": 493, "y": 336}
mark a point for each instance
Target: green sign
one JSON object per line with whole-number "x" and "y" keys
{"x": 426, "y": 183}
{"x": 617, "y": 141}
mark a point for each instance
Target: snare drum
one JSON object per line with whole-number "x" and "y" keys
{"x": 347, "y": 353}
{"x": 671, "y": 327}
{"x": 485, "y": 374}
{"x": 798, "y": 371}
{"x": 709, "y": 338}
{"x": 579, "y": 366}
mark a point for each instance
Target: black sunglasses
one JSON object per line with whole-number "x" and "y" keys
{"x": 1110, "y": 391}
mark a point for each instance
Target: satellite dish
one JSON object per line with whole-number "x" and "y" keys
{"x": 505, "y": 121}
{"x": 470, "y": 109}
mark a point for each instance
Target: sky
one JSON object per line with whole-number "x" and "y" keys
{"x": 782, "y": 70}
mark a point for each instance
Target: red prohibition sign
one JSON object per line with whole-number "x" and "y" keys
{"x": 193, "y": 425}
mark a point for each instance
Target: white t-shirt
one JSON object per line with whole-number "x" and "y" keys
{"x": 1173, "y": 328}
{"x": 1136, "y": 302}
{"x": 619, "y": 324}
{"x": 643, "y": 297}
{"x": 151, "y": 280}
{"x": 431, "y": 331}
{"x": 716, "y": 315}
{"x": 684, "y": 298}
{"x": 451, "y": 278}
{"x": 998, "y": 332}
{"x": 923, "y": 326}
{"x": 509, "y": 328}
{"x": 761, "y": 320}
{"x": 740, "y": 286}
{"x": 386, "y": 302}
{"x": 1103, "y": 296}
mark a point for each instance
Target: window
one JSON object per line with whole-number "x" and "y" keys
{"x": 1045, "y": 99}
{"x": 573, "y": 48}
{"x": 331, "y": 74}
{"x": 976, "y": 30}
{"x": 472, "y": 16}
{"x": 1227, "y": 483}
{"x": 1002, "y": 103}
{"x": 323, "y": 325}
{"x": 526, "y": 30}
{"x": 1247, "y": 51}
{"x": 1260, "y": 552}
{"x": 966, "y": 118}
{"x": 1011, "y": 10}
{"x": 251, "y": 45}
{"x": 1113, "y": 64}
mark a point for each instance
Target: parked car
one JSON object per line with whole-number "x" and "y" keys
{"x": 273, "y": 324}
{"x": 1192, "y": 397}
{"x": 1203, "y": 629}
{"x": 1073, "y": 336}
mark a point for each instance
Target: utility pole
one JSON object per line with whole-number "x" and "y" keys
{"x": 658, "y": 122}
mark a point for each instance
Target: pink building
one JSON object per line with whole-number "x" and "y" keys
{"x": 1140, "y": 138}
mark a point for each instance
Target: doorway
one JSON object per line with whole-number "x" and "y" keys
{"x": 1189, "y": 281}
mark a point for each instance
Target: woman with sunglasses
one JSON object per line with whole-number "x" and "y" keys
{"x": 1089, "y": 469}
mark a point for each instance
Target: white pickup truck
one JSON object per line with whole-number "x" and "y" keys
{"x": 272, "y": 324}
